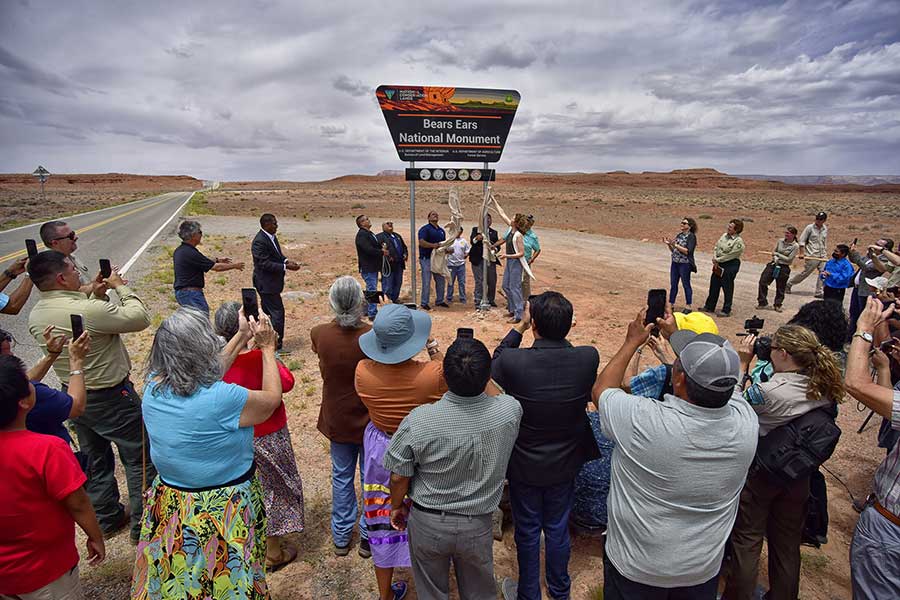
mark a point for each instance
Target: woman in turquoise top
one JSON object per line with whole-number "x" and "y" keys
{"x": 203, "y": 531}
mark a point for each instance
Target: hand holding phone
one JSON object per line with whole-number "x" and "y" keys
{"x": 105, "y": 268}
{"x": 250, "y": 302}
{"x": 31, "y": 248}
{"x": 656, "y": 306}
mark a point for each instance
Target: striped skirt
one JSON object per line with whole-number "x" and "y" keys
{"x": 390, "y": 548}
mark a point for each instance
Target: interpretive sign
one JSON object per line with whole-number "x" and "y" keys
{"x": 448, "y": 124}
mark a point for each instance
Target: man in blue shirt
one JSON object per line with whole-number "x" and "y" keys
{"x": 430, "y": 237}
{"x": 837, "y": 274}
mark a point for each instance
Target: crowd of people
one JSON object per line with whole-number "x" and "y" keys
{"x": 704, "y": 455}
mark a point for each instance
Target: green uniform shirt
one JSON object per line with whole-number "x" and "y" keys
{"x": 107, "y": 363}
{"x": 728, "y": 248}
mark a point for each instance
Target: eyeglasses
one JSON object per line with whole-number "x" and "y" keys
{"x": 71, "y": 236}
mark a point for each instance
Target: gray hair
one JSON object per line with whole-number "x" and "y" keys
{"x": 347, "y": 301}
{"x": 226, "y": 320}
{"x": 185, "y": 353}
{"x": 187, "y": 229}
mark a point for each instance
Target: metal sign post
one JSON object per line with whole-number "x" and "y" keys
{"x": 413, "y": 238}
{"x": 43, "y": 175}
{"x": 485, "y": 253}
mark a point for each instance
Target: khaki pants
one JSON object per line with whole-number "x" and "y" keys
{"x": 67, "y": 587}
{"x": 808, "y": 268}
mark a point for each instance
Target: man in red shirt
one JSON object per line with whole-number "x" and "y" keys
{"x": 43, "y": 498}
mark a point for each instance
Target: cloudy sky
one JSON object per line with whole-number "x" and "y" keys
{"x": 259, "y": 89}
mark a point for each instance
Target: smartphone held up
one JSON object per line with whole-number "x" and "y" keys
{"x": 656, "y": 308}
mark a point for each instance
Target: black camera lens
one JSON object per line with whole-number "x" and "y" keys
{"x": 762, "y": 348}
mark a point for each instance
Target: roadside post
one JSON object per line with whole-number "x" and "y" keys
{"x": 444, "y": 124}
{"x": 43, "y": 175}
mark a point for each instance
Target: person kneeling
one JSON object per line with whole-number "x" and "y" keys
{"x": 451, "y": 456}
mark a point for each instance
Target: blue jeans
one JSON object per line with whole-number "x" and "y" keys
{"x": 392, "y": 283}
{"x": 457, "y": 274}
{"x": 192, "y": 298}
{"x": 371, "y": 280}
{"x": 546, "y": 509}
{"x": 680, "y": 272}
{"x": 425, "y": 264}
{"x": 344, "y": 458}
{"x": 512, "y": 286}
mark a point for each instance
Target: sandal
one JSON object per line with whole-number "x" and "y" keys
{"x": 284, "y": 559}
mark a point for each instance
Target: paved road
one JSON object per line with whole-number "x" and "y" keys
{"x": 116, "y": 233}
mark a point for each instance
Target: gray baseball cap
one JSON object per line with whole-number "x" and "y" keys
{"x": 709, "y": 360}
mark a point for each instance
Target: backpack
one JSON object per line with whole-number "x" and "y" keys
{"x": 799, "y": 447}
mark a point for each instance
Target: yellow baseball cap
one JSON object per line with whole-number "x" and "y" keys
{"x": 696, "y": 322}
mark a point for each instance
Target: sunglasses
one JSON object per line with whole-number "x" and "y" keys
{"x": 685, "y": 223}
{"x": 71, "y": 236}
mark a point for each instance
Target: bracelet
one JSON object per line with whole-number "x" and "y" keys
{"x": 9, "y": 274}
{"x": 76, "y": 372}
{"x": 54, "y": 353}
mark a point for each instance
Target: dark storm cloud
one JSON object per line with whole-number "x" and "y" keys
{"x": 15, "y": 68}
{"x": 265, "y": 89}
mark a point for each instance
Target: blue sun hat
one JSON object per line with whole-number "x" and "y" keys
{"x": 397, "y": 334}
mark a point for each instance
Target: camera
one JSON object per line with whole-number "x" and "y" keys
{"x": 762, "y": 347}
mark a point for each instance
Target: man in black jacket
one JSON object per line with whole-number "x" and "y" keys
{"x": 370, "y": 255}
{"x": 397, "y": 254}
{"x": 269, "y": 266}
{"x": 552, "y": 380}
{"x": 476, "y": 257}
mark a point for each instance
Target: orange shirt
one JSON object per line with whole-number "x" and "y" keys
{"x": 390, "y": 392}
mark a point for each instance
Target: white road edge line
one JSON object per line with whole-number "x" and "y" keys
{"x": 90, "y": 212}
{"x": 149, "y": 241}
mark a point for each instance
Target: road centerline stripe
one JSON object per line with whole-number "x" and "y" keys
{"x": 19, "y": 253}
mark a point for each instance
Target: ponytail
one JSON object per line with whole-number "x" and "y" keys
{"x": 816, "y": 360}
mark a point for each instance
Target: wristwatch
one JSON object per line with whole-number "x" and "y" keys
{"x": 76, "y": 372}
{"x": 864, "y": 335}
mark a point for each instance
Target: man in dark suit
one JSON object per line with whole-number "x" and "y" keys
{"x": 552, "y": 380}
{"x": 370, "y": 255}
{"x": 397, "y": 254}
{"x": 476, "y": 257}
{"x": 269, "y": 266}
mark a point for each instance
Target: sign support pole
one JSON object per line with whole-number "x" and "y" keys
{"x": 485, "y": 244}
{"x": 413, "y": 239}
